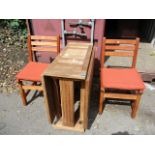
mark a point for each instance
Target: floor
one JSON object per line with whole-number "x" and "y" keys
{"x": 17, "y": 119}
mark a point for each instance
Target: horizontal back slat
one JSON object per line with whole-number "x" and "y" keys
{"x": 41, "y": 43}
{"x": 44, "y": 49}
{"x": 126, "y": 48}
{"x": 120, "y": 41}
{"x": 54, "y": 38}
{"x": 78, "y": 47}
{"x": 125, "y": 54}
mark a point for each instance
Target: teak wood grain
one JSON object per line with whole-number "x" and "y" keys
{"x": 75, "y": 63}
{"x": 120, "y": 96}
{"x": 39, "y": 88}
{"x": 54, "y": 38}
{"x": 72, "y": 62}
{"x": 44, "y": 49}
{"x": 85, "y": 93}
{"x": 67, "y": 101}
{"x": 117, "y": 47}
{"x": 123, "y": 54}
{"x": 51, "y": 97}
{"x": 42, "y": 43}
{"x": 112, "y": 47}
{"x": 120, "y": 41}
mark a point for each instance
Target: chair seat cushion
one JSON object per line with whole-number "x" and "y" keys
{"x": 120, "y": 78}
{"x": 32, "y": 71}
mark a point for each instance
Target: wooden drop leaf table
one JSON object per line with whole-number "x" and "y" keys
{"x": 73, "y": 65}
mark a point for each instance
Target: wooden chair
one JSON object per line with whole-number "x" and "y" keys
{"x": 33, "y": 70}
{"x": 120, "y": 83}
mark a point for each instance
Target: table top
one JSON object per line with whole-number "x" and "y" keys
{"x": 72, "y": 62}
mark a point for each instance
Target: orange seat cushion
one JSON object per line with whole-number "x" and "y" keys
{"x": 32, "y": 71}
{"x": 120, "y": 78}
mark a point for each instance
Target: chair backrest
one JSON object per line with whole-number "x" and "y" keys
{"x": 121, "y": 48}
{"x": 43, "y": 44}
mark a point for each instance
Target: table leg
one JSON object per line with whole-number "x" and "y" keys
{"x": 83, "y": 105}
{"x": 85, "y": 94}
{"x": 67, "y": 101}
{"x": 52, "y": 98}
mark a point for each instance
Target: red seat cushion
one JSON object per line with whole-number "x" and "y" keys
{"x": 127, "y": 79}
{"x": 32, "y": 71}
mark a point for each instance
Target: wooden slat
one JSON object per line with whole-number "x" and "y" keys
{"x": 120, "y": 41}
{"x": 127, "y": 48}
{"x": 77, "y": 47}
{"x": 52, "y": 98}
{"x": 41, "y": 43}
{"x": 46, "y": 49}
{"x": 120, "y": 96}
{"x": 130, "y": 54}
{"x": 85, "y": 93}
{"x": 67, "y": 101}
{"x": 78, "y": 44}
{"x": 28, "y": 91}
{"x": 40, "y": 88}
{"x": 44, "y": 37}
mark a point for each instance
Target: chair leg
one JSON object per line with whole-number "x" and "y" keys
{"x": 101, "y": 102}
{"x": 135, "y": 106}
{"x": 22, "y": 93}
